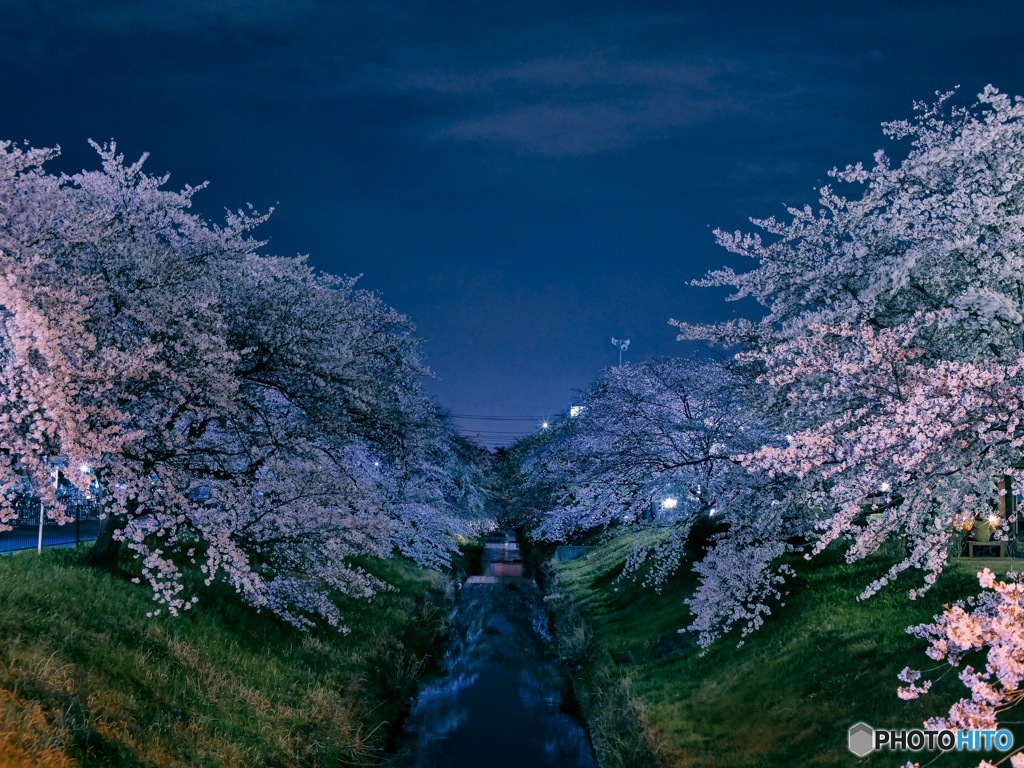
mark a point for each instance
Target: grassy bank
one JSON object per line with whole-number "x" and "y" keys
{"x": 87, "y": 680}
{"x": 787, "y": 697}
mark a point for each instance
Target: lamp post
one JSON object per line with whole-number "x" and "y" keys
{"x": 623, "y": 345}
{"x": 39, "y": 544}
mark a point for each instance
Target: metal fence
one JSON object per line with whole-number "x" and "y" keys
{"x": 85, "y": 527}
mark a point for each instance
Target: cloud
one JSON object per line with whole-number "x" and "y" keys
{"x": 590, "y": 104}
{"x": 576, "y": 105}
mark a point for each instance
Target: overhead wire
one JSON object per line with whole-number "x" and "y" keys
{"x": 494, "y": 418}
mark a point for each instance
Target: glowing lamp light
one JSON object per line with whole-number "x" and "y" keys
{"x": 85, "y": 469}
{"x": 885, "y": 487}
{"x": 712, "y": 512}
{"x": 993, "y": 519}
{"x": 669, "y": 503}
{"x": 544, "y": 425}
{"x": 575, "y": 411}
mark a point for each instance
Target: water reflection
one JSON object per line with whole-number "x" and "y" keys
{"x": 499, "y": 700}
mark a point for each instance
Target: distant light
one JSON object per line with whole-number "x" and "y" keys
{"x": 993, "y": 519}
{"x": 885, "y": 487}
{"x": 712, "y": 512}
{"x": 544, "y": 425}
{"x": 669, "y": 503}
{"x": 575, "y": 411}
{"x": 85, "y": 469}
{"x": 376, "y": 463}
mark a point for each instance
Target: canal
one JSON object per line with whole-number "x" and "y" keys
{"x": 500, "y": 698}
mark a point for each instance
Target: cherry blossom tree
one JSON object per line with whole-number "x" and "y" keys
{"x": 242, "y": 413}
{"x": 663, "y": 429}
{"x": 654, "y": 443}
{"x": 941, "y": 230}
{"x": 891, "y": 346}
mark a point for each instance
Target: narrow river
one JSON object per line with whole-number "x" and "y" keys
{"x": 500, "y": 697}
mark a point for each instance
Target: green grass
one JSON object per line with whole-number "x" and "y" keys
{"x": 787, "y": 697}
{"x": 87, "y": 680}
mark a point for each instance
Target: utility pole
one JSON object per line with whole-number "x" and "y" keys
{"x": 623, "y": 345}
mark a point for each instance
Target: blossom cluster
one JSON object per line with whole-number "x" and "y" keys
{"x": 881, "y": 391}
{"x": 243, "y": 415}
{"x": 892, "y": 351}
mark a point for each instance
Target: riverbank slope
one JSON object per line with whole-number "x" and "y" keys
{"x": 822, "y": 662}
{"x": 87, "y": 680}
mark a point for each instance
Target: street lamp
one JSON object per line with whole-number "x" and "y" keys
{"x": 623, "y": 345}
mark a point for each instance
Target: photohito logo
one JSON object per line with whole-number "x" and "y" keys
{"x": 862, "y": 740}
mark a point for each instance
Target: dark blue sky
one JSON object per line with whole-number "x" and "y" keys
{"x": 525, "y": 180}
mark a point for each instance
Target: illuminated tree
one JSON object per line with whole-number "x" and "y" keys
{"x": 241, "y": 412}
{"x": 892, "y": 345}
{"x": 653, "y": 443}
{"x": 941, "y": 230}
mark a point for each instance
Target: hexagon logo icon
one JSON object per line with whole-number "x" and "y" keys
{"x": 861, "y": 739}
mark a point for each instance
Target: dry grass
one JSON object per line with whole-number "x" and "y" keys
{"x": 87, "y": 680}
{"x": 616, "y": 717}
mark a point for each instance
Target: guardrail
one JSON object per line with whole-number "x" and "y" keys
{"x": 25, "y": 528}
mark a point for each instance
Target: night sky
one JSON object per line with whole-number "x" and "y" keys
{"x": 524, "y": 180}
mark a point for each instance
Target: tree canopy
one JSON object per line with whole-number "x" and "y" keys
{"x": 241, "y": 412}
{"x": 886, "y": 374}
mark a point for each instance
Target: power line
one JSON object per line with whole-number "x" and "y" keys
{"x": 494, "y": 418}
{"x": 508, "y": 406}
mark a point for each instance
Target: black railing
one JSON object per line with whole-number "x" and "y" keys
{"x": 24, "y": 533}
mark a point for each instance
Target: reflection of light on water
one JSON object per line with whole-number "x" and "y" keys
{"x": 500, "y": 687}
{"x": 437, "y": 709}
{"x": 540, "y": 626}
{"x": 445, "y": 688}
{"x": 538, "y": 694}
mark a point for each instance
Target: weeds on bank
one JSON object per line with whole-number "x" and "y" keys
{"x": 87, "y": 680}
{"x": 615, "y": 716}
{"x": 823, "y": 662}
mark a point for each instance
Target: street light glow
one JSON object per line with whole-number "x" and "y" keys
{"x": 544, "y": 425}
{"x": 669, "y": 503}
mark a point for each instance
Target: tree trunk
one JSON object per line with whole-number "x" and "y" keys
{"x": 105, "y": 551}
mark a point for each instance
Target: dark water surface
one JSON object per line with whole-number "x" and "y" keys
{"x": 499, "y": 700}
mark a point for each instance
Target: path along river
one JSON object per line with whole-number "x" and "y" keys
{"x": 499, "y": 700}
